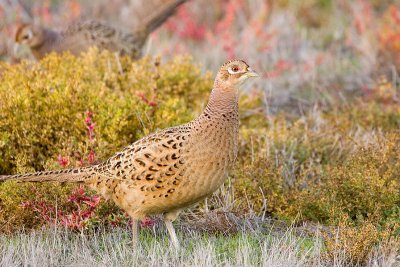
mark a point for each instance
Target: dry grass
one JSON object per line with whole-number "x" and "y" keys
{"x": 265, "y": 246}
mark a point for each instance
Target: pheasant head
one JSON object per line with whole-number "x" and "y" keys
{"x": 231, "y": 75}
{"x": 234, "y": 73}
{"x": 30, "y": 35}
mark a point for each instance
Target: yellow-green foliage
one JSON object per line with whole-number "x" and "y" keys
{"x": 358, "y": 242}
{"x": 43, "y": 107}
{"x": 324, "y": 165}
{"x": 365, "y": 186}
{"x": 340, "y": 168}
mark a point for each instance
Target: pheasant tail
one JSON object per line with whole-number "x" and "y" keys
{"x": 67, "y": 175}
{"x": 159, "y": 11}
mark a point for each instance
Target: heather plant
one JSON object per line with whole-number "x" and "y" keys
{"x": 82, "y": 213}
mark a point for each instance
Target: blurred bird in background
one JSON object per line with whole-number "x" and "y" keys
{"x": 79, "y": 36}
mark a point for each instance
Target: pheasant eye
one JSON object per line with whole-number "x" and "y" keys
{"x": 234, "y": 69}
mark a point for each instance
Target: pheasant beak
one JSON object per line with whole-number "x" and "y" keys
{"x": 251, "y": 73}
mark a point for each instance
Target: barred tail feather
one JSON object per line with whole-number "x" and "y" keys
{"x": 159, "y": 11}
{"x": 68, "y": 175}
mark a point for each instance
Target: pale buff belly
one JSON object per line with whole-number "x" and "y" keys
{"x": 195, "y": 186}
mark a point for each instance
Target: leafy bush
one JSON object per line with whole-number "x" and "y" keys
{"x": 340, "y": 168}
{"x": 44, "y": 118}
{"x": 366, "y": 186}
{"x": 322, "y": 165}
{"x": 358, "y": 242}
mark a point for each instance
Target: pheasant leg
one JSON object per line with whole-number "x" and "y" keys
{"x": 135, "y": 234}
{"x": 171, "y": 231}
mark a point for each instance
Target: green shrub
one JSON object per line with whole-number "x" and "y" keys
{"x": 364, "y": 187}
{"x": 340, "y": 168}
{"x": 43, "y": 108}
{"x": 357, "y": 242}
{"x": 323, "y": 165}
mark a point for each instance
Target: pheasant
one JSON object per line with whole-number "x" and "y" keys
{"x": 78, "y": 37}
{"x": 173, "y": 168}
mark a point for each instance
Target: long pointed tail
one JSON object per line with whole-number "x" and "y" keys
{"x": 67, "y": 175}
{"x": 159, "y": 11}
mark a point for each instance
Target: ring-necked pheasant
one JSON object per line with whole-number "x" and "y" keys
{"x": 79, "y": 37}
{"x": 173, "y": 168}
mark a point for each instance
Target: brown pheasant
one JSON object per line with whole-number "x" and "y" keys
{"x": 171, "y": 169}
{"x": 80, "y": 36}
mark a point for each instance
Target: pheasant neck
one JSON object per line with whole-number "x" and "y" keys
{"x": 222, "y": 100}
{"x": 50, "y": 37}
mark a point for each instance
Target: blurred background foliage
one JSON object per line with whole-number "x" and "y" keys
{"x": 320, "y": 131}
